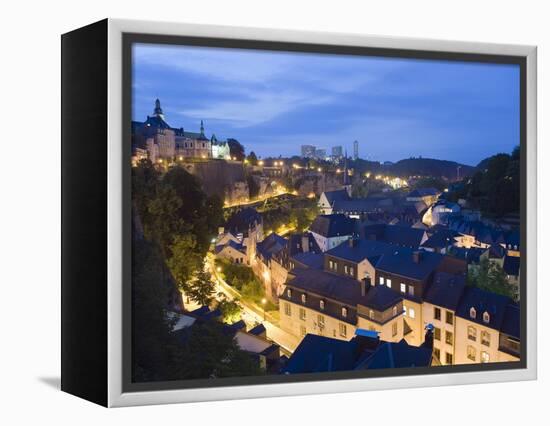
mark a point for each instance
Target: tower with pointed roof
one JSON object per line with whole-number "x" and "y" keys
{"x": 157, "y": 112}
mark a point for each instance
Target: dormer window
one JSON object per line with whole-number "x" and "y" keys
{"x": 289, "y": 293}
{"x": 344, "y": 312}
{"x": 304, "y": 298}
{"x": 473, "y": 313}
{"x": 371, "y": 314}
{"x": 486, "y": 317}
{"x": 394, "y": 311}
{"x": 322, "y": 304}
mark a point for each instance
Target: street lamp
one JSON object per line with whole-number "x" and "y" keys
{"x": 264, "y": 301}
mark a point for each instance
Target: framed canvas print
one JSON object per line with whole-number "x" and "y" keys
{"x": 253, "y": 212}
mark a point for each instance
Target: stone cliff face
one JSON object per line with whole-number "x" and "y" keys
{"x": 317, "y": 184}
{"x": 223, "y": 178}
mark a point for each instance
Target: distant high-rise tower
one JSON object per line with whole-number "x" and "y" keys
{"x": 308, "y": 151}
{"x": 346, "y": 181}
{"x": 355, "y": 150}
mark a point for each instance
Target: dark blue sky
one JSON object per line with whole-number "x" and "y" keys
{"x": 274, "y": 102}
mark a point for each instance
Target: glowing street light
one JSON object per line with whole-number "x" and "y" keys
{"x": 260, "y": 163}
{"x": 219, "y": 269}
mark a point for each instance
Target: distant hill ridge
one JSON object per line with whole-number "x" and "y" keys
{"x": 429, "y": 167}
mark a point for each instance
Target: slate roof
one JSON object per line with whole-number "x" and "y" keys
{"x": 271, "y": 245}
{"x": 511, "y": 321}
{"x": 364, "y": 205}
{"x": 511, "y": 265}
{"x": 401, "y": 262}
{"x": 441, "y": 239}
{"x": 242, "y": 220}
{"x": 343, "y": 289}
{"x": 445, "y": 290}
{"x": 333, "y": 225}
{"x": 317, "y": 354}
{"x": 258, "y": 330}
{"x": 476, "y": 228}
{"x": 363, "y": 249}
{"x": 309, "y": 260}
{"x": 394, "y": 234}
{"x": 483, "y": 301}
{"x": 397, "y": 355}
{"x": 232, "y": 244}
{"x": 380, "y": 298}
{"x": 470, "y": 255}
{"x": 337, "y": 195}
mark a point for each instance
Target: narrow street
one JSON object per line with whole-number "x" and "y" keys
{"x": 252, "y": 314}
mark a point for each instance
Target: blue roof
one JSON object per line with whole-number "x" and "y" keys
{"x": 233, "y": 244}
{"x": 470, "y": 255}
{"x": 423, "y": 192}
{"x": 309, "y": 259}
{"x": 317, "y": 354}
{"x": 395, "y": 234}
{"x": 445, "y": 290}
{"x": 483, "y": 301}
{"x": 271, "y": 245}
{"x": 362, "y": 249}
{"x": 333, "y": 225}
{"x": 511, "y": 321}
{"x": 401, "y": 262}
{"x": 397, "y": 355}
{"x": 337, "y": 195}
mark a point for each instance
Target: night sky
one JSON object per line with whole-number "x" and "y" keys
{"x": 273, "y": 102}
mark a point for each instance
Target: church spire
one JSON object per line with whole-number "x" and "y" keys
{"x": 158, "y": 110}
{"x": 346, "y": 183}
{"x": 202, "y": 128}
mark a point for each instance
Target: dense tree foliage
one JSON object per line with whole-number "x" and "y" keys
{"x": 230, "y": 309}
{"x": 236, "y": 149}
{"x": 491, "y": 277}
{"x": 495, "y": 187}
{"x": 252, "y": 159}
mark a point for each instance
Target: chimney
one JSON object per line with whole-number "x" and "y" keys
{"x": 417, "y": 256}
{"x": 352, "y": 242}
{"x": 365, "y": 285}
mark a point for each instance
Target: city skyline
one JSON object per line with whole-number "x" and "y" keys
{"x": 274, "y": 102}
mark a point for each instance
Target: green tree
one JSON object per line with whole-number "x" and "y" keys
{"x": 144, "y": 187}
{"x": 230, "y": 309}
{"x": 185, "y": 260}
{"x": 236, "y": 149}
{"x": 201, "y": 289}
{"x": 163, "y": 218}
{"x": 252, "y": 159}
{"x": 491, "y": 277}
{"x": 208, "y": 352}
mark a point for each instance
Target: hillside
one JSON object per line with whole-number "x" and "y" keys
{"x": 429, "y": 167}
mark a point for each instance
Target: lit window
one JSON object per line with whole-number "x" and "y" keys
{"x": 371, "y": 314}
{"x": 471, "y": 353}
{"x": 485, "y": 338}
{"x": 411, "y": 313}
{"x": 411, "y": 290}
{"x": 344, "y": 312}
{"x": 351, "y": 270}
{"x": 381, "y": 280}
{"x": 343, "y": 330}
{"x": 485, "y": 357}
{"x": 288, "y": 310}
{"x": 330, "y": 263}
{"x": 304, "y": 298}
{"x": 289, "y": 293}
{"x": 437, "y": 314}
{"x": 322, "y": 304}
{"x": 404, "y": 310}
{"x": 346, "y": 269}
{"x": 449, "y": 317}
{"x": 449, "y": 338}
{"x": 472, "y": 333}
{"x": 394, "y": 311}
{"x": 473, "y": 313}
{"x": 403, "y": 288}
{"x": 388, "y": 283}
{"x": 486, "y": 317}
